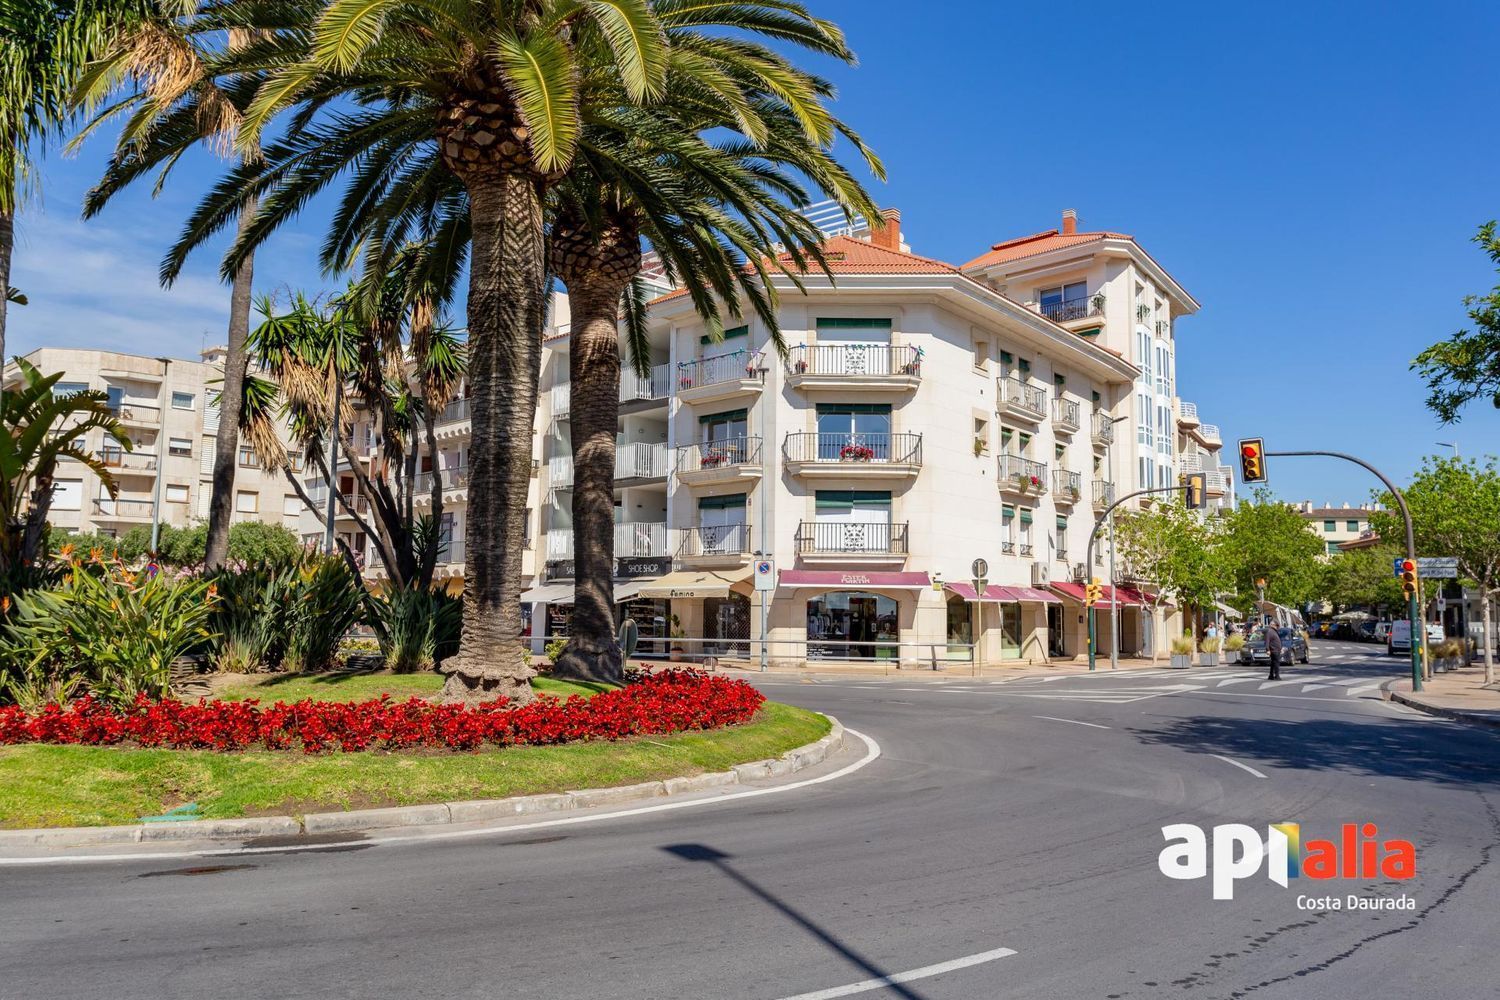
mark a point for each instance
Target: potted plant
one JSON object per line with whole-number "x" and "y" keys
{"x": 856, "y": 453}
{"x": 1234, "y": 644}
{"x": 676, "y": 653}
{"x": 1098, "y": 302}
{"x": 978, "y": 447}
{"x": 714, "y": 459}
{"x": 800, "y": 366}
{"x": 1182, "y": 652}
{"x": 1210, "y": 648}
{"x": 685, "y": 381}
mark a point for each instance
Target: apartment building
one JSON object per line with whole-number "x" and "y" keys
{"x": 1338, "y": 526}
{"x": 925, "y": 414}
{"x": 166, "y": 406}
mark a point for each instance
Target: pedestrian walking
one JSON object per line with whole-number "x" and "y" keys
{"x": 1273, "y": 650}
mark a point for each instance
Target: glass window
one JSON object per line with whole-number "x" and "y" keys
{"x": 67, "y": 494}
{"x": 247, "y": 502}
{"x": 182, "y": 400}
{"x": 177, "y": 493}
{"x": 291, "y": 505}
{"x": 853, "y": 625}
{"x": 1330, "y": 526}
{"x": 721, "y": 522}
{"x": 248, "y": 458}
{"x": 68, "y": 388}
{"x": 842, "y": 425}
{"x": 181, "y": 447}
{"x": 1352, "y": 526}
{"x": 727, "y": 426}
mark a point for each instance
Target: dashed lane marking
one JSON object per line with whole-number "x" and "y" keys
{"x": 1075, "y": 722}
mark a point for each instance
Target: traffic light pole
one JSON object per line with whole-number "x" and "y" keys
{"x": 1413, "y": 614}
{"x": 1093, "y": 536}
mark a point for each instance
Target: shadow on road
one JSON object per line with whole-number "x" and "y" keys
{"x": 720, "y": 861}
{"x": 1396, "y": 749}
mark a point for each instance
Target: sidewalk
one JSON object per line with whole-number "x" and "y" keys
{"x": 1454, "y": 694}
{"x": 947, "y": 671}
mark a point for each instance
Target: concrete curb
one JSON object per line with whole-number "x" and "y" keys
{"x": 1457, "y": 715}
{"x": 438, "y": 814}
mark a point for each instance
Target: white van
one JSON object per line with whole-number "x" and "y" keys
{"x": 1399, "y": 639}
{"x": 1382, "y": 631}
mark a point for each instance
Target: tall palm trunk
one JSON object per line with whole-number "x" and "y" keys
{"x": 231, "y": 403}
{"x": 7, "y": 243}
{"x": 506, "y": 309}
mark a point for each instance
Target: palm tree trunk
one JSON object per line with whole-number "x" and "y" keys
{"x": 506, "y": 309}
{"x": 231, "y": 402}
{"x": 593, "y": 650}
{"x": 7, "y": 243}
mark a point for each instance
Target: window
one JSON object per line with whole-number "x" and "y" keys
{"x": 1058, "y": 451}
{"x": 67, "y": 494}
{"x": 1333, "y": 548}
{"x": 182, "y": 400}
{"x": 1095, "y": 399}
{"x": 733, "y": 333}
{"x": 1023, "y": 443}
{"x": 291, "y": 505}
{"x": 1023, "y": 365}
{"x": 1025, "y": 519}
{"x": 826, "y": 323}
{"x": 181, "y": 447}
{"x": 1330, "y": 527}
{"x": 726, "y": 426}
{"x": 981, "y": 354}
{"x": 1352, "y": 526}
{"x": 68, "y": 388}
{"x": 1144, "y": 424}
{"x": 1007, "y": 529}
{"x": 1006, "y": 437}
{"x": 981, "y": 436}
{"x": 247, "y": 502}
{"x": 842, "y": 425}
{"x": 852, "y": 521}
{"x": 177, "y": 493}
{"x": 1074, "y": 292}
{"x": 248, "y": 458}
{"x": 721, "y": 525}
{"x": 852, "y": 625}
{"x": 1059, "y": 383}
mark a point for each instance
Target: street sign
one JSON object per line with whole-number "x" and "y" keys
{"x": 980, "y": 568}
{"x": 1396, "y": 565}
{"x": 1438, "y": 567}
{"x": 765, "y": 574}
{"x": 980, "y": 583}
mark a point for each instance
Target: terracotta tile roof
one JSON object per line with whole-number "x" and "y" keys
{"x": 847, "y": 255}
{"x": 1037, "y": 243}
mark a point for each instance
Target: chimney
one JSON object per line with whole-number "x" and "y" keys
{"x": 886, "y": 231}
{"x": 1070, "y": 221}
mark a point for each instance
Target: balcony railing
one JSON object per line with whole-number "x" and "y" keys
{"x": 879, "y": 449}
{"x": 560, "y": 470}
{"x": 633, "y": 540}
{"x": 560, "y": 399}
{"x": 657, "y": 385}
{"x": 1062, "y": 312}
{"x": 451, "y": 478}
{"x": 1008, "y": 548}
{"x": 855, "y": 360}
{"x": 135, "y": 461}
{"x": 136, "y": 413}
{"x": 851, "y": 538}
{"x": 130, "y": 509}
{"x": 1104, "y": 494}
{"x": 1187, "y": 412}
{"x": 1022, "y": 475}
{"x": 1023, "y": 396}
{"x": 1103, "y": 428}
{"x": 640, "y": 460}
{"x": 1066, "y": 414}
{"x": 715, "y": 540}
{"x": 457, "y": 410}
{"x": 1209, "y": 432}
{"x": 450, "y": 552}
{"x": 725, "y": 454}
{"x": 1066, "y": 486}
{"x": 1026, "y": 550}
{"x": 729, "y": 367}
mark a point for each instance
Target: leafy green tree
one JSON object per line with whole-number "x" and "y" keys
{"x": 1363, "y": 578}
{"x": 1174, "y": 551}
{"x": 1466, "y": 366}
{"x": 1455, "y": 511}
{"x": 1267, "y": 539}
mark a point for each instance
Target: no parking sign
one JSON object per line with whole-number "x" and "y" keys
{"x": 765, "y": 574}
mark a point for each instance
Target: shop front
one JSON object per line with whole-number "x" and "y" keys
{"x": 858, "y": 616}
{"x": 707, "y": 612}
{"x": 1010, "y": 623}
{"x": 552, "y": 603}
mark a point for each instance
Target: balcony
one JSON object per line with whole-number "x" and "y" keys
{"x": 1067, "y": 486}
{"x": 1207, "y": 434}
{"x": 1214, "y": 484}
{"x": 719, "y": 378}
{"x": 451, "y": 479}
{"x": 633, "y": 540}
{"x": 641, "y": 460}
{"x": 1021, "y": 476}
{"x": 853, "y": 455}
{"x": 1022, "y": 399}
{"x": 559, "y": 471}
{"x": 1088, "y": 308}
{"x": 875, "y": 540}
{"x": 715, "y": 544}
{"x": 560, "y": 399}
{"x": 122, "y": 462}
{"x": 1187, "y": 414}
{"x": 1104, "y": 494}
{"x": 650, "y": 389}
{"x": 133, "y": 511}
{"x": 454, "y": 421}
{"x": 319, "y": 496}
{"x": 732, "y": 460}
{"x": 1102, "y": 427}
{"x": 866, "y": 367}
{"x": 1067, "y": 415}
{"x": 137, "y": 414}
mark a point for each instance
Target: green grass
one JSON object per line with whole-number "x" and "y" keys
{"x": 347, "y": 686}
{"x": 94, "y": 786}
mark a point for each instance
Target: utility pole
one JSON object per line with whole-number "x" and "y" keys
{"x": 162, "y": 399}
{"x": 1114, "y": 599}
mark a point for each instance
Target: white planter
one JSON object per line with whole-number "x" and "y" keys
{"x": 1181, "y": 661}
{"x": 1208, "y": 660}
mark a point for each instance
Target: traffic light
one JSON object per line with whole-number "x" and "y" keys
{"x": 1252, "y": 461}
{"x": 1408, "y": 578}
{"x": 1196, "y": 495}
{"x": 1092, "y": 593}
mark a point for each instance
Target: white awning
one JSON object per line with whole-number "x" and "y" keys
{"x": 1228, "y": 611}
{"x": 687, "y": 584}
{"x": 552, "y": 593}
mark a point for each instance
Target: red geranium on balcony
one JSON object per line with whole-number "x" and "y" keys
{"x": 856, "y": 453}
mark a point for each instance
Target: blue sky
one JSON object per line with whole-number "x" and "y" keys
{"x": 1312, "y": 173}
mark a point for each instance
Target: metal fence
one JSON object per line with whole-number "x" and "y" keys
{"x": 890, "y": 449}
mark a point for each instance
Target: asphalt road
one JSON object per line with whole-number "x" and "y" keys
{"x": 1004, "y": 845}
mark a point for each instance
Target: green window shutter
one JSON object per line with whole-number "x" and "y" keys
{"x": 1352, "y": 525}
{"x": 1005, "y": 435}
{"x": 845, "y": 408}
{"x": 1058, "y": 451}
{"x": 1062, "y": 523}
{"x": 1025, "y": 517}
{"x": 1330, "y": 526}
{"x": 729, "y": 334}
{"x": 870, "y": 499}
{"x": 841, "y": 323}
{"x": 722, "y": 503}
{"x": 1007, "y": 513}
{"x": 1089, "y": 333}
{"x": 1059, "y": 380}
{"x": 1024, "y": 365}
{"x": 1006, "y": 357}
{"x": 723, "y": 418}
{"x": 1025, "y": 440}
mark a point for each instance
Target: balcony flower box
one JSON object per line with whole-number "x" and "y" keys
{"x": 801, "y": 367}
{"x": 856, "y": 453}
{"x": 685, "y": 382}
{"x": 714, "y": 459}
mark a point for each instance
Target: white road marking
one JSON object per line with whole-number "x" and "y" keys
{"x": 925, "y": 972}
{"x": 1362, "y": 690}
{"x": 1272, "y": 684}
{"x": 1242, "y": 767}
{"x": 1312, "y": 687}
{"x": 1053, "y": 718}
{"x": 872, "y": 752}
{"x": 1237, "y": 680}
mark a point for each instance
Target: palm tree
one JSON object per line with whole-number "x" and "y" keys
{"x": 37, "y": 428}
{"x": 161, "y": 74}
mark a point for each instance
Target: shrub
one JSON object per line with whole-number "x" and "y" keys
{"x": 250, "y": 619}
{"x": 105, "y": 631}
{"x": 652, "y": 703}
{"x": 1212, "y": 644}
{"x": 554, "y": 648}
{"x": 325, "y": 600}
{"x": 417, "y": 629}
{"x": 1234, "y": 644}
{"x": 1183, "y": 645}
{"x": 1448, "y": 649}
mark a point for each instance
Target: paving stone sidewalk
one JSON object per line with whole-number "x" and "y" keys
{"x": 1455, "y": 694}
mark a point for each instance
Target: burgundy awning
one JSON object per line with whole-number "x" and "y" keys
{"x": 1127, "y": 596}
{"x": 854, "y": 578}
{"x": 993, "y": 592}
{"x": 1031, "y": 595}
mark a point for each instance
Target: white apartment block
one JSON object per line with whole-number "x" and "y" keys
{"x": 1336, "y": 526}
{"x": 166, "y": 406}
{"x": 925, "y": 415}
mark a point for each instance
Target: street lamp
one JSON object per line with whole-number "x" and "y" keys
{"x": 161, "y": 401}
{"x": 1449, "y": 444}
{"x": 1114, "y": 598}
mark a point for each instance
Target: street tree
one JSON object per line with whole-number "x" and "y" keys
{"x": 1455, "y": 512}
{"x": 1265, "y": 539}
{"x": 1466, "y": 366}
{"x": 1173, "y": 550}
{"x": 1363, "y": 578}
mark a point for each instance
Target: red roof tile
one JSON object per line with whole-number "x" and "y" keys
{"x": 1037, "y": 243}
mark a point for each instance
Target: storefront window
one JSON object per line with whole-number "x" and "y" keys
{"x": 960, "y": 624}
{"x": 852, "y": 625}
{"x": 652, "y": 618}
{"x": 1010, "y": 630}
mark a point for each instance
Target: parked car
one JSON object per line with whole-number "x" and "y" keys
{"x": 1398, "y": 643}
{"x": 1293, "y": 647}
{"x": 1365, "y": 631}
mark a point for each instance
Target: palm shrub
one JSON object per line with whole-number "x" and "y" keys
{"x": 326, "y": 601}
{"x": 105, "y": 631}
{"x": 416, "y": 628}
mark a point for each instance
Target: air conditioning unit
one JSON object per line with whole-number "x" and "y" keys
{"x": 1041, "y": 574}
{"x": 1081, "y": 572}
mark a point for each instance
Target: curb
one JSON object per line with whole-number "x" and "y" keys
{"x": 1456, "y": 715}
{"x": 438, "y": 814}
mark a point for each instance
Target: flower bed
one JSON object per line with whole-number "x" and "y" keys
{"x": 653, "y": 703}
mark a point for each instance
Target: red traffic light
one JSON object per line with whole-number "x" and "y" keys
{"x": 1249, "y": 450}
{"x": 1407, "y": 566}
